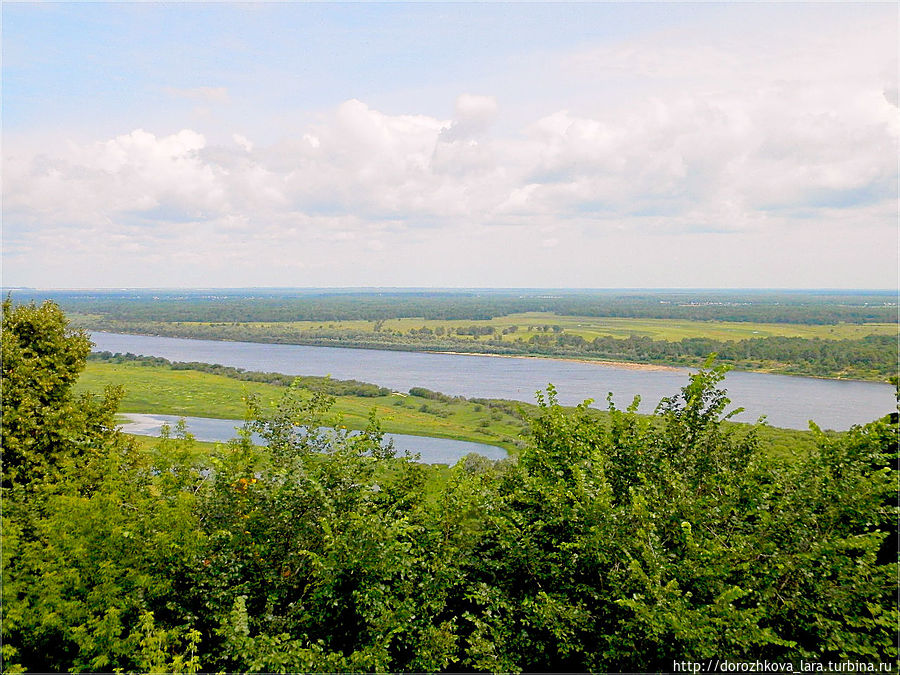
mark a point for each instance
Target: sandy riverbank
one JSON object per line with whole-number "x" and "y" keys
{"x": 627, "y": 365}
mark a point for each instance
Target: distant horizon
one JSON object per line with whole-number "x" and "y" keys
{"x": 879, "y": 291}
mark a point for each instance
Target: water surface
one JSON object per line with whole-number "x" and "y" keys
{"x": 431, "y": 450}
{"x": 786, "y": 401}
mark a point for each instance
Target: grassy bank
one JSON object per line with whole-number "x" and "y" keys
{"x": 159, "y": 389}
{"x": 162, "y": 390}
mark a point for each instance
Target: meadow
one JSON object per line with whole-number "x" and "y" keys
{"x": 511, "y": 327}
{"x": 162, "y": 390}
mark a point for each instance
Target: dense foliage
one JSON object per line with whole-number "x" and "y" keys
{"x": 616, "y": 545}
{"x": 43, "y": 423}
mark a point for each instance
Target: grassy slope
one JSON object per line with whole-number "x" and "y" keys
{"x": 155, "y": 389}
{"x": 183, "y": 392}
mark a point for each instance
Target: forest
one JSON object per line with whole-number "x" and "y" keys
{"x": 253, "y": 305}
{"x": 615, "y": 544}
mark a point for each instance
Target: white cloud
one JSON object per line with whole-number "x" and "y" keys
{"x": 137, "y": 173}
{"x": 472, "y": 116}
{"x": 242, "y": 141}
{"x": 721, "y": 138}
{"x": 669, "y": 156}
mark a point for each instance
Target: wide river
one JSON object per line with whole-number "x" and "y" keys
{"x": 785, "y": 401}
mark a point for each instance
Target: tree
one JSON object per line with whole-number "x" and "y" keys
{"x": 93, "y": 532}
{"x": 42, "y": 421}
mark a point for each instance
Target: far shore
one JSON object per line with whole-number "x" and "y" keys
{"x": 627, "y": 365}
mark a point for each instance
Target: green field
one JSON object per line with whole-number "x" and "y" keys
{"x": 161, "y": 390}
{"x": 529, "y": 323}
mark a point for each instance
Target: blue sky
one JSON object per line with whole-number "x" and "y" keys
{"x": 459, "y": 144}
{"x": 285, "y": 57}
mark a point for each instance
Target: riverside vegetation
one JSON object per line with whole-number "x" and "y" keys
{"x": 203, "y": 390}
{"x": 613, "y": 543}
{"x": 837, "y": 335}
{"x": 156, "y": 385}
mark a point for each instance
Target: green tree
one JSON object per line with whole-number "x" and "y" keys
{"x": 317, "y": 558}
{"x": 42, "y": 423}
{"x": 94, "y": 530}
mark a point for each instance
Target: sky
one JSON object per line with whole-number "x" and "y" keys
{"x": 588, "y": 145}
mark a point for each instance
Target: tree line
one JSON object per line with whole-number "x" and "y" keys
{"x": 804, "y": 307}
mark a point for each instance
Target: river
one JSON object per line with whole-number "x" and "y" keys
{"x": 430, "y": 450}
{"x": 786, "y": 401}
